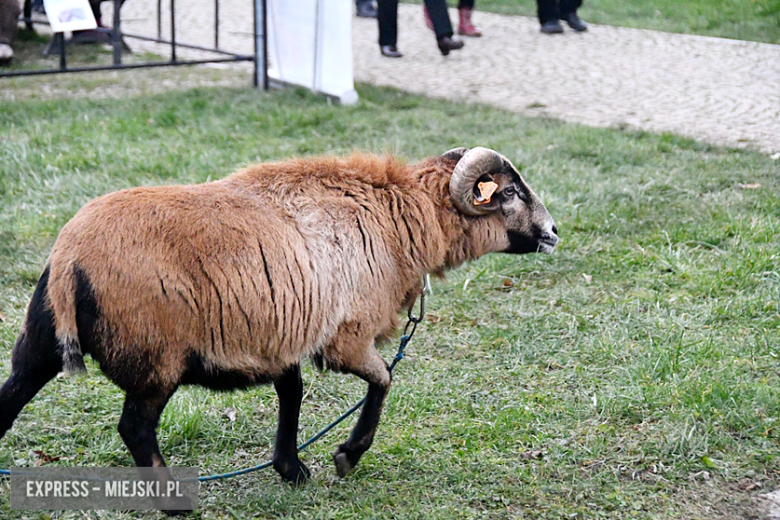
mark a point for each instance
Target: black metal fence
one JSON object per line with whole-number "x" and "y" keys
{"x": 116, "y": 38}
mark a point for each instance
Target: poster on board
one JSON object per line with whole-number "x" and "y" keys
{"x": 310, "y": 44}
{"x": 69, "y": 15}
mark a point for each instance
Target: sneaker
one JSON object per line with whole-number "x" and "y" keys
{"x": 575, "y": 23}
{"x": 390, "y": 51}
{"x": 366, "y": 10}
{"x": 552, "y": 27}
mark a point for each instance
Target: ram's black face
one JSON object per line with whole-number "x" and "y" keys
{"x": 529, "y": 227}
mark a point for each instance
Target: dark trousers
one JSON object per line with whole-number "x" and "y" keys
{"x": 550, "y": 10}
{"x": 467, "y": 4}
{"x": 437, "y": 10}
{"x": 387, "y": 18}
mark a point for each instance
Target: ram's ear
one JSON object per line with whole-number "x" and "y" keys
{"x": 484, "y": 192}
{"x": 455, "y": 154}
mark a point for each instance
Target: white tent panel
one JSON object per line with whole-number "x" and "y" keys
{"x": 310, "y": 44}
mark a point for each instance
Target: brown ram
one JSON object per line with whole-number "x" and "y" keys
{"x": 233, "y": 283}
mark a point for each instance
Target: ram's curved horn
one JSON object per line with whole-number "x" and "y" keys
{"x": 455, "y": 154}
{"x": 474, "y": 164}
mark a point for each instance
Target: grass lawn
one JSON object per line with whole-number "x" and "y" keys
{"x": 755, "y": 20}
{"x": 632, "y": 374}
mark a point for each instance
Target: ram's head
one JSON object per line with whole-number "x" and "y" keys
{"x": 484, "y": 183}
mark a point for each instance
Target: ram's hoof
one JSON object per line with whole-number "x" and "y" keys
{"x": 295, "y": 473}
{"x": 177, "y": 512}
{"x": 168, "y": 508}
{"x": 345, "y": 459}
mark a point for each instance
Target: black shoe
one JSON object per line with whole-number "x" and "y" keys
{"x": 575, "y": 23}
{"x": 552, "y": 27}
{"x": 447, "y": 44}
{"x": 90, "y": 36}
{"x": 366, "y": 10}
{"x": 390, "y": 51}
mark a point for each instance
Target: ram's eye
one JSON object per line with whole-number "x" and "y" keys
{"x": 510, "y": 192}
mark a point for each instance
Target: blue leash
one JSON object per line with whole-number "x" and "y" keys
{"x": 409, "y": 329}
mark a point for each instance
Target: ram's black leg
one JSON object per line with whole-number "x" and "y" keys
{"x": 137, "y": 427}
{"x": 375, "y": 371}
{"x": 26, "y": 379}
{"x": 35, "y": 359}
{"x": 289, "y": 388}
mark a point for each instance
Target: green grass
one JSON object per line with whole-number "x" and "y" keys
{"x": 639, "y": 356}
{"x": 755, "y": 20}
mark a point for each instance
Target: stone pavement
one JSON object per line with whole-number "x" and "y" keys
{"x": 716, "y": 90}
{"x": 711, "y": 89}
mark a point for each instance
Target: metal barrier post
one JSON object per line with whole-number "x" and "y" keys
{"x": 61, "y": 43}
{"x": 216, "y": 24}
{"x": 173, "y": 31}
{"x": 116, "y": 34}
{"x": 261, "y": 44}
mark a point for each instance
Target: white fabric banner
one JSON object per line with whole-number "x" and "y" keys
{"x": 69, "y": 15}
{"x": 310, "y": 44}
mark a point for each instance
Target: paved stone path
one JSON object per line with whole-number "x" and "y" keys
{"x": 716, "y": 90}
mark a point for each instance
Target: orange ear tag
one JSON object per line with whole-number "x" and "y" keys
{"x": 486, "y": 190}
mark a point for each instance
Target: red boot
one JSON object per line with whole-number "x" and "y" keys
{"x": 428, "y": 21}
{"x": 466, "y": 28}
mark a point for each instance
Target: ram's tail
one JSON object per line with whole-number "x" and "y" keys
{"x": 62, "y": 298}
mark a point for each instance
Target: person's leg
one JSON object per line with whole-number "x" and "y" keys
{"x": 465, "y": 25}
{"x": 568, "y": 6}
{"x": 437, "y": 9}
{"x": 387, "y": 17}
{"x": 547, "y": 11}
{"x": 442, "y": 26}
{"x": 568, "y": 13}
{"x": 95, "y": 5}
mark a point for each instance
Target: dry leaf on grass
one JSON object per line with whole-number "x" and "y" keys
{"x": 531, "y": 454}
{"x": 230, "y": 413}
